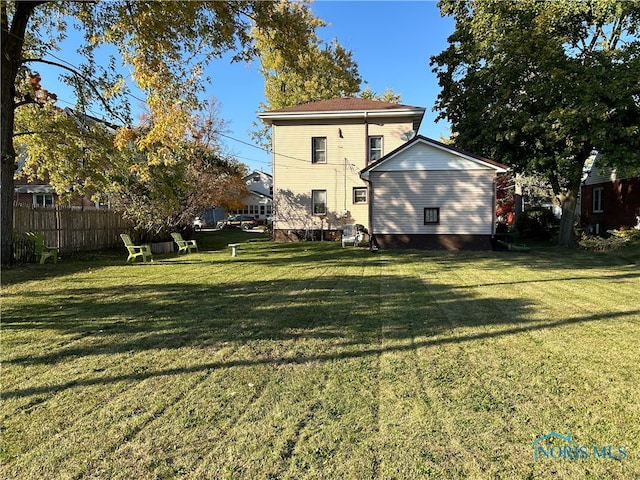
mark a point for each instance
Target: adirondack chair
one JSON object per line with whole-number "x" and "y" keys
{"x": 42, "y": 251}
{"x": 184, "y": 245}
{"x": 136, "y": 251}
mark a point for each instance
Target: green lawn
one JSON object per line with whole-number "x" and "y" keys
{"x": 309, "y": 361}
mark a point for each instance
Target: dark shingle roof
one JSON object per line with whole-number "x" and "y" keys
{"x": 342, "y": 104}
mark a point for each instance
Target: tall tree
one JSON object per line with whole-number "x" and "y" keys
{"x": 165, "y": 44}
{"x": 183, "y": 179}
{"x": 321, "y": 70}
{"x": 539, "y": 85}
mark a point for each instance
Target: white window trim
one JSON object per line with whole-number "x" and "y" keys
{"x": 44, "y": 195}
{"x": 597, "y": 207}
{"x": 369, "y": 160}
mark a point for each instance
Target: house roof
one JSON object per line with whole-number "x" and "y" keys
{"x": 256, "y": 172}
{"x": 346, "y": 107}
{"x": 419, "y": 139}
{"x": 341, "y": 105}
{"x": 28, "y": 188}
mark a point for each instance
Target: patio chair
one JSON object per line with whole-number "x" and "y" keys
{"x": 350, "y": 234}
{"x": 42, "y": 251}
{"x": 136, "y": 251}
{"x": 184, "y": 245}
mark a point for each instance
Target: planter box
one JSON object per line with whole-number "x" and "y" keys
{"x": 162, "y": 247}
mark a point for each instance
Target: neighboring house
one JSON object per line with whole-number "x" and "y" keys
{"x": 40, "y": 192}
{"x": 426, "y": 194}
{"x": 607, "y": 201}
{"x": 319, "y": 149}
{"x": 259, "y": 203}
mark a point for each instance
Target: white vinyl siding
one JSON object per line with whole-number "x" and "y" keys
{"x": 426, "y": 157}
{"x": 464, "y": 197}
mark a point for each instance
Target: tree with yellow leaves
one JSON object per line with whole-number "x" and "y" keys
{"x": 165, "y": 45}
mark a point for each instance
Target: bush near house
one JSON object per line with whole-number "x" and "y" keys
{"x": 537, "y": 223}
{"x": 617, "y": 239}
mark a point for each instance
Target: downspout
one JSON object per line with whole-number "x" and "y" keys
{"x": 368, "y": 182}
{"x": 494, "y": 204}
{"x": 366, "y": 140}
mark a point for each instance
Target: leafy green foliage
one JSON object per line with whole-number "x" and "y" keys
{"x": 165, "y": 46}
{"x": 617, "y": 240}
{"x": 320, "y": 71}
{"x": 537, "y": 223}
{"x": 538, "y": 85}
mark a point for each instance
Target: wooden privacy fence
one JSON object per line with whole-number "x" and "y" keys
{"x": 69, "y": 229}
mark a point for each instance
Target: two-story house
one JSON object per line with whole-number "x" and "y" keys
{"x": 357, "y": 161}
{"x": 319, "y": 148}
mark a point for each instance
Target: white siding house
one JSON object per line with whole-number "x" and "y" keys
{"x": 259, "y": 202}
{"x": 319, "y": 148}
{"x": 429, "y": 195}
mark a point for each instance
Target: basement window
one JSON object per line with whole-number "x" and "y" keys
{"x": 431, "y": 216}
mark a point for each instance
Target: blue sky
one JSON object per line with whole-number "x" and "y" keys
{"x": 391, "y": 41}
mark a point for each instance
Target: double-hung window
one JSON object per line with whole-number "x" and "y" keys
{"x": 359, "y": 194}
{"x": 43, "y": 199}
{"x": 319, "y": 150}
{"x": 375, "y": 149}
{"x": 319, "y": 202}
{"x": 598, "y": 197}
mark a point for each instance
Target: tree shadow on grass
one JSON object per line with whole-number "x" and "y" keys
{"x": 346, "y": 316}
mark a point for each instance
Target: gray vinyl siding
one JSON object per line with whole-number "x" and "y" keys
{"x": 464, "y": 197}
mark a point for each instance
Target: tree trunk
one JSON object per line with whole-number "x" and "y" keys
{"x": 12, "y": 42}
{"x": 568, "y": 202}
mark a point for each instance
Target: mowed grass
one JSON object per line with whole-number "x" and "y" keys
{"x": 309, "y": 361}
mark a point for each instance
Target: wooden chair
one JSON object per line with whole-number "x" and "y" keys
{"x": 184, "y": 245}
{"x": 135, "y": 251}
{"x": 42, "y": 251}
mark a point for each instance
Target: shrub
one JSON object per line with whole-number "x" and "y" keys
{"x": 618, "y": 239}
{"x": 537, "y": 222}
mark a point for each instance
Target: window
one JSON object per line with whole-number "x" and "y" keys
{"x": 360, "y": 195}
{"x": 375, "y": 149}
{"x": 319, "y": 202}
{"x": 43, "y": 199}
{"x": 598, "y": 194}
{"x": 319, "y": 150}
{"x": 431, "y": 216}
